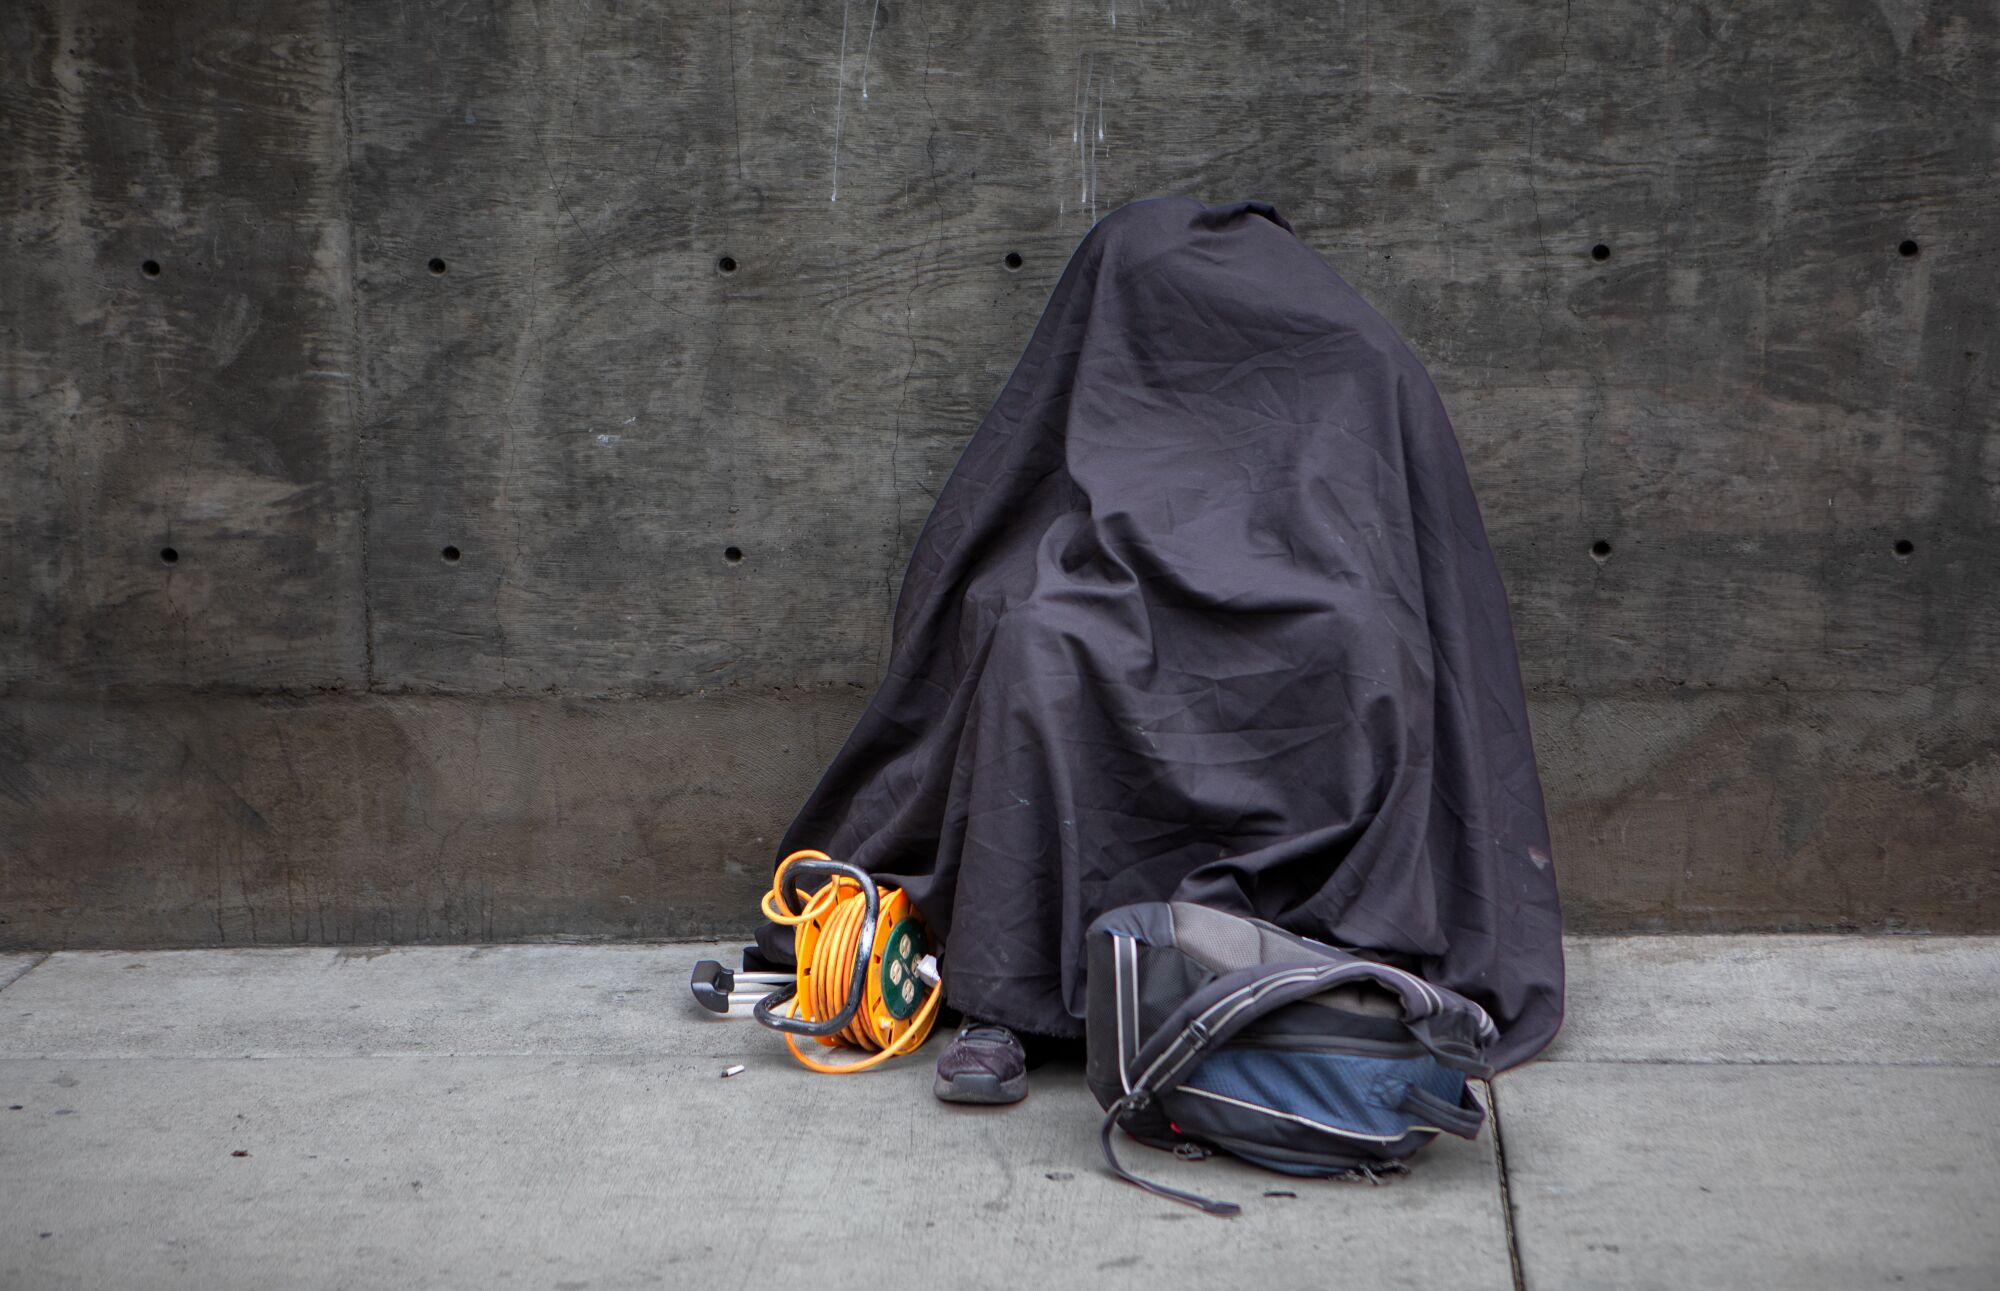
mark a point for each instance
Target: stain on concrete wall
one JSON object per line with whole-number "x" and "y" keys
{"x": 456, "y": 460}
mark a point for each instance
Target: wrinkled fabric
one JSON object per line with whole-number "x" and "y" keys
{"x": 1205, "y": 612}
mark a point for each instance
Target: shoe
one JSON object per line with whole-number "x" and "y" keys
{"x": 984, "y": 1063}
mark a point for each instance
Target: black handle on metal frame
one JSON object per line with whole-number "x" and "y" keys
{"x": 863, "y": 951}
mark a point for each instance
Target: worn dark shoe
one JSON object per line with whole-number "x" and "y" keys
{"x": 984, "y": 1063}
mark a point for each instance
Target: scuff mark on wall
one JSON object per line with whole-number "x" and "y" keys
{"x": 869, "y": 53}
{"x": 839, "y": 92}
{"x": 1087, "y": 132}
{"x": 1081, "y": 136}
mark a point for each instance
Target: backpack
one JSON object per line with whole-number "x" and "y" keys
{"x": 1210, "y": 1032}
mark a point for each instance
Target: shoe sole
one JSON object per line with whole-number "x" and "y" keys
{"x": 978, "y": 1087}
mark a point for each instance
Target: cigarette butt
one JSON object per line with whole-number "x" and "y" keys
{"x": 731, "y": 1071}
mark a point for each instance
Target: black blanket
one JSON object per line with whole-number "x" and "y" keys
{"x": 1205, "y": 612}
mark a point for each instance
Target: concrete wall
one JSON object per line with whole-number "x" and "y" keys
{"x": 319, "y": 295}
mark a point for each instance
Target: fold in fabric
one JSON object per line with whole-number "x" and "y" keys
{"x": 1205, "y": 612}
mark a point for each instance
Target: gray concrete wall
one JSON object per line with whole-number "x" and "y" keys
{"x": 316, "y": 293}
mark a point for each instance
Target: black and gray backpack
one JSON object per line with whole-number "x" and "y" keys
{"x": 1212, "y": 1032}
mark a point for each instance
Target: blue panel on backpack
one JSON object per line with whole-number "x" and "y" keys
{"x": 1356, "y": 1094}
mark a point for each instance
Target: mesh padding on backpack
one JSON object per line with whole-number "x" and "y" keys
{"x": 1226, "y": 943}
{"x": 1221, "y": 941}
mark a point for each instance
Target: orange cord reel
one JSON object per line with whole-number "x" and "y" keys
{"x": 866, "y": 976}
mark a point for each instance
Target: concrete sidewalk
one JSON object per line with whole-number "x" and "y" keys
{"x": 1722, "y": 1111}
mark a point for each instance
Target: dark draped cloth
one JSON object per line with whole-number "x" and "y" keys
{"x": 1205, "y": 612}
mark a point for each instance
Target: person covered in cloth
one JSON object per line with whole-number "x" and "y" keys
{"x": 1205, "y": 612}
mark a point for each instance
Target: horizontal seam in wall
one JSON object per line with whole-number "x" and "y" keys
{"x": 355, "y": 689}
{"x": 552, "y": 1055}
{"x": 1917, "y": 1063}
{"x": 555, "y": 1055}
{"x": 172, "y": 694}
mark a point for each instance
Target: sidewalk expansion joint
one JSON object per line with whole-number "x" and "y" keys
{"x": 45, "y": 956}
{"x": 1506, "y": 1194}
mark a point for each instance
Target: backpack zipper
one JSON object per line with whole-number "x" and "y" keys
{"x": 1332, "y": 1048}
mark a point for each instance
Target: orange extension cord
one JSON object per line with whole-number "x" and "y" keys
{"x": 828, "y": 933}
